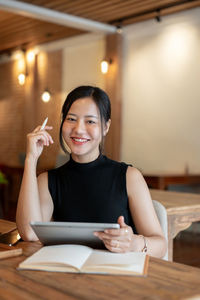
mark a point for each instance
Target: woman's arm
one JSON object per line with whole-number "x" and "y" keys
{"x": 144, "y": 216}
{"x": 145, "y": 220}
{"x": 34, "y": 202}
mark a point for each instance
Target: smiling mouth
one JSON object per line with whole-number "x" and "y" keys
{"x": 79, "y": 140}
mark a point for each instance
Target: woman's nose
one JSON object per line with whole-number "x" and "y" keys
{"x": 79, "y": 127}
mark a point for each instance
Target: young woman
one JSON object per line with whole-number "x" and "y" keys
{"x": 89, "y": 187}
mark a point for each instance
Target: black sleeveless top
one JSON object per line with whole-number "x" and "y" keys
{"x": 90, "y": 192}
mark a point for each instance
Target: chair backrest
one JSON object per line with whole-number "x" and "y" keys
{"x": 162, "y": 217}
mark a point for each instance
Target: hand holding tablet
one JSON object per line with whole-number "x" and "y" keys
{"x": 52, "y": 233}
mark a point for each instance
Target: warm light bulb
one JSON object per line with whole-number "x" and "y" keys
{"x": 30, "y": 56}
{"x": 104, "y": 66}
{"x": 21, "y": 78}
{"x": 46, "y": 96}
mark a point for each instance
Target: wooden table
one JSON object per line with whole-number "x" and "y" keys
{"x": 165, "y": 280}
{"x": 182, "y": 210}
{"x": 6, "y": 226}
{"x": 161, "y": 182}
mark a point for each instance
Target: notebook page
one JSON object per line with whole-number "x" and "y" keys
{"x": 74, "y": 255}
{"x": 127, "y": 261}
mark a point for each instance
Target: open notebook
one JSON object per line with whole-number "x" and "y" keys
{"x": 83, "y": 259}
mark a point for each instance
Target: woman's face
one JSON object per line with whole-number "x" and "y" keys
{"x": 82, "y": 130}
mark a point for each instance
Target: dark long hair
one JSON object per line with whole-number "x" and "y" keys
{"x": 100, "y": 98}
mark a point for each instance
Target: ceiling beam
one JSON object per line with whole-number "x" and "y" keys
{"x": 52, "y": 16}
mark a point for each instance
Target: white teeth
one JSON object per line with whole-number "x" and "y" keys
{"x": 79, "y": 140}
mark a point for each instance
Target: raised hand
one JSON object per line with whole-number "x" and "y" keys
{"x": 36, "y": 141}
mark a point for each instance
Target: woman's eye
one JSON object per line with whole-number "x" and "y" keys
{"x": 91, "y": 122}
{"x": 71, "y": 119}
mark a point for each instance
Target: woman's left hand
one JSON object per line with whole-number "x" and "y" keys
{"x": 118, "y": 240}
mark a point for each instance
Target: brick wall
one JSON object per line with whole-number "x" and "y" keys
{"x": 21, "y": 107}
{"x": 12, "y": 97}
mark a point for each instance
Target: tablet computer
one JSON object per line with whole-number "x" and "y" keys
{"x": 52, "y": 233}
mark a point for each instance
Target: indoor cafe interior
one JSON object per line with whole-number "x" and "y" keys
{"x": 146, "y": 56}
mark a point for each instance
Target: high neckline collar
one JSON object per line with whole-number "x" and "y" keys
{"x": 90, "y": 164}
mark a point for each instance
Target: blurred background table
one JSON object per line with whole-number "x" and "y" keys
{"x": 162, "y": 182}
{"x": 182, "y": 210}
{"x": 9, "y": 192}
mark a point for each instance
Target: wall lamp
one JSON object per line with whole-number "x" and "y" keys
{"x": 46, "y": 96}
{"x": 105, "y": 65}
{"x": 21, "y": 78}
{"x": 23, "y": 66}
{"x": 25, "y": 59}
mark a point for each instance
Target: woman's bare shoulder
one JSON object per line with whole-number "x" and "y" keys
{"x": 133, "y": 173}
{"x": 135, "y": 182}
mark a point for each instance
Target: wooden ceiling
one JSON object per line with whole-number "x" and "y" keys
{"x": 18, "y": 31}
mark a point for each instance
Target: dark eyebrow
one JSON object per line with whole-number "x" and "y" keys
{"x": 71, "y": 114}
{"x": 91, "y": 116}
{"x": 87, "y": 116}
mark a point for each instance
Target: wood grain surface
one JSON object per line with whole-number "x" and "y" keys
{"x": 165, "y": 280}
{"x": 6, "y": 226}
